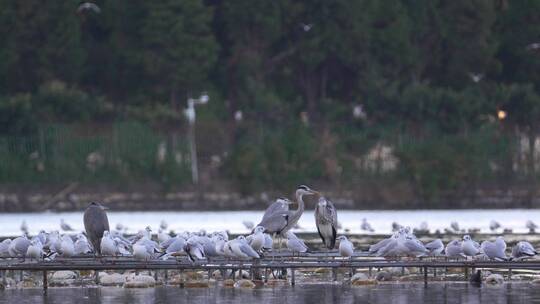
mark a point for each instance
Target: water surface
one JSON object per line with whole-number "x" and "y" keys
{"x": 313, "y": 293}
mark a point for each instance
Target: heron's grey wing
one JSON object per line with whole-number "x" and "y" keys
{"x": 275, "y": 223}
{"x": 275, "y": 208}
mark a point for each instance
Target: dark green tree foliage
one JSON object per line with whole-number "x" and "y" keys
{"x": 429, "y": 74}
{"x": 179, "y": 46}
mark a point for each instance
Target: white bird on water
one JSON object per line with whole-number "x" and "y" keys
{"x": 346, "y": 247}
{"x": 366, "y": 226}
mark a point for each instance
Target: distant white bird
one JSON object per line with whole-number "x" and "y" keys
{"x": 455, "y": 226}
{"x": 453, "y": 250}
{"x": 64, "y": 226}
{"x": 533, "y": 46}
{"x": 494, "y": 225}
{"x": 108, "y": 246}
{"x": 346, "y": 247}
{"x": 35, "y": 250}
{"x": 395, "y": 226}
{"x": 523, "y": 250}
{"x": 163, "y": 225}
{"x": 24, "y": 227}
{"x": 424, "y": 226}
{"x": 495, "y": 250}
{"x": 120, "y": 227}
{"x": 294, "y": 244}
{"x": 365, "y": 226}
{"x": 469, "y": 247}
{"x": 248, "y": 224}
{"x": 435, "y": 247}
{"x": 306, "y": 27}
{"x": 163, "y": 236}
{"x": 531, "y": 226}
{"x": 476, "y": 77}
{"x": 88, "y": 6}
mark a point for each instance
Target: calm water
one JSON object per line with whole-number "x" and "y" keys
{"x": 384, "y": 293}
{"x": 232, "y": 220}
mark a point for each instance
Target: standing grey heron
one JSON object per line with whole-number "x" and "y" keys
{"x": 281, "y": 205}
{"x": 280, "y": 221}
{"x": 95, "y": 223}
{"x": 326, "y": 221}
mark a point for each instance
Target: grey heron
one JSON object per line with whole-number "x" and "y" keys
{"x": 281, "y": 205}
{"x": 95, "y": 223}
{"x": 280, "y": 221}
{"x": 326, "y": 221}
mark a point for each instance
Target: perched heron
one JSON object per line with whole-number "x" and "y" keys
{"x": 326, "y": 221}
{"x": 88, "y": 6}
{"x": 95, "y": 224}
{"x": 281, "y": 205}
{"x": 280, "y": 221}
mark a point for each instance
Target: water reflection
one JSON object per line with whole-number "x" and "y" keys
{"x": 313, "y": 293}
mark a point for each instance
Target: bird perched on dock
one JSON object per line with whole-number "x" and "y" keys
{"x": 95, "y": 223}
{"x": 81, "y": 245}
{"x": 4, "y": 248}
{"x": 494, "y": 225}
{"x": 495, "y": 250}
{"x": 18, "y": 246}
{"x": 382, "y": 243}
{"x": 453, "y": 250}
{"x": 346, "y": 247}
{"x": 469, "y": 247}
{"x": 107, "y": 245}
{"x": 279, "y": 221}
{"x": 194, "y": 250}
{"x": 67, "y": 247}
{"x": 295, "y": 244}
{"x": 365, "y": 226}
{"x": 326, "y": 222}
{"x": 531, "y": 226}
{"x": 256, "y": 240}
{"x": 35, "y": 249}
{"x": 523, "y": 250}
{"x": 435, "y": 247}
{"x": 65, "y": 226}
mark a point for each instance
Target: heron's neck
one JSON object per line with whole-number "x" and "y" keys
{"x": 300, "y": 200}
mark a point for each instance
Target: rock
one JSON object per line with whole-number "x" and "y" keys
{"x": 113, "y": 279}
{"x": 140, "y": 281}
{"x": 494, "y": 279}
{"x": 63, "y": 275}
{"x": 535, "y": 282}
{"x": 241, "y": 274}
{"x": 359, "y": 276}
{"x": 228, "y": 283}
{"x": 364, "y": 282}
{"x": 196, "y": 284}
{"x": 277, "y": 282}
{"x": 322, "y": 270}
{"x": 383, "y": 276}
{"x": 397, "y": 271}
{"x": 244, "y": 284}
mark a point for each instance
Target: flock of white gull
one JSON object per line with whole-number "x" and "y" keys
{"x": 277, "y": 221}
